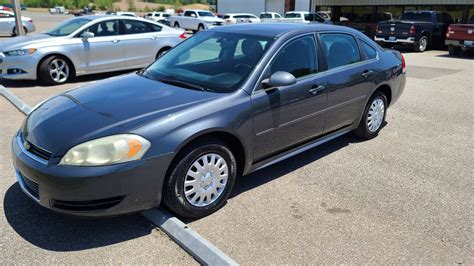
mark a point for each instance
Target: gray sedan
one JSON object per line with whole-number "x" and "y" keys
{"x": 86, "y": 45}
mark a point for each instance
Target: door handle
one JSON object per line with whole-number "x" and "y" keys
{"x": 316, "y": 89}
{"x": 116, "y": 41}
{"x": 154, "y": 38}
{"x": 367, "y": 73}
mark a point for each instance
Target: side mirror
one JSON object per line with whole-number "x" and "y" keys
{"x": 278, "y": 79}
{"x": 193, "y": 15}
{"x": 86, "y": 35}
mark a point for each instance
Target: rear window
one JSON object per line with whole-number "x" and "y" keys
{"x": 416, "y": 16}
{"x": 265, "y": 15}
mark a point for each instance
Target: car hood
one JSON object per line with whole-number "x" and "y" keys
{"x": 22, "y": 41}
{"x": 109, "y": 107}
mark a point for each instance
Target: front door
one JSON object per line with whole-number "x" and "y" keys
{"x": 104, "y": 51}
{"x": 288, "y": 116}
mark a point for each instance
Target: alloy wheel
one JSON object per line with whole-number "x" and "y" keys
{"x": 59, "y": 70}
{"x": 206, "y": 180}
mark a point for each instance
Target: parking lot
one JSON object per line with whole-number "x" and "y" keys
{"x": 403, "y": 197}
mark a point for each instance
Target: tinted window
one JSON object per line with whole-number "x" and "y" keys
{"x": 369, "y": 50}
{"x": 265, "y": 15}
{"x": 293, "y": 15}
{"x": 135, "y": 27}
{"x": 189, "y": 13}
{"x": 226, "y": 16}
{"x": 416, "y": 16}
{"x": 447, "y": 18}
{"x": 298, "y": 58}
{"x": 471, "y": 20}
{"x": 277, "y": 16}
{"x": 153, "y": 27}
{"x": 105, "y": 28}
{"x": 205, "y": 14}
{"x": 340, "y": 49}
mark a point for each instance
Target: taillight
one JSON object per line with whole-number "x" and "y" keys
{"x": 449, "y": 31}
{"x": 183, "y": 36}
{"x": 404, "y": 66}
{"x": 30, "y": 21}
{"x": 412, "y": 29}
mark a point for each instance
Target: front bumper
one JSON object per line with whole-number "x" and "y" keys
{"x": 10, "y": 64}
{"x": 409, "y": 40}
{"x": 90, "y": 191}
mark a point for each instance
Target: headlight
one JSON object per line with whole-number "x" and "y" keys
{"x": 20, "y": 52}
{"x": 108, "y": 150}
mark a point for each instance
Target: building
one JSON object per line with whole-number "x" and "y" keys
{"x": 360, "y": 11}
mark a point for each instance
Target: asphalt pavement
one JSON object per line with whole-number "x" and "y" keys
{"x": 403, "y": 197}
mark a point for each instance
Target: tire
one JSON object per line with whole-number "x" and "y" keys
{"x": 64, "y": 71}
{"x": 421, "y": 45}
{"x": 183, "y": 200}
{"x": 14, "y": 33}
{"x": 454, "y": 50}
{"x": 162, "y": 52}
{"x": 200, "y": 28}
{"x": 176, "y": 25}
{"x": 367, "y": 129}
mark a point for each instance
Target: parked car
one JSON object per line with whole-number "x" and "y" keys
{"x": 196, "y": 20}
{"x": 269, "y": 16}
{"x": 419, "y": 29}
{"x": 86, "y": 11}
{"x": 234, "y": 18}
{"x": 160, "y": 17}
{"x": 460, "y": 37}
{"x": 86, "y": 45}
{"x": 58, "y": 10}
{"x": 226, "y": 102}
{"x": 8, "y": 26}
{"x": 325, "y": 14}
{"x": 303, "y": 17}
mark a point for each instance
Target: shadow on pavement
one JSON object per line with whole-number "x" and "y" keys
{"x": 56, "y": 232}
{"x": 268, "y": 174}
{"x": 80, "y": 79}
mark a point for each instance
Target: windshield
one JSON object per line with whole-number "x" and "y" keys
{"x": 214, "y": 61}
{"x": 411, "y": 16}
{"x": 265, "y": 15}
{"x": 205, "y": 14}
{"x": 67, "y": 27}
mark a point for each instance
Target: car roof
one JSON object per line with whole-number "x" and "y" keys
{"x": 279, "y": 28}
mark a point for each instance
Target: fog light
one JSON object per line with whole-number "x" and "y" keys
{"x": 13, "y": 71}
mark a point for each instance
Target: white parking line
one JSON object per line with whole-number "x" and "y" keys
{"x": 17, "y": 102}
{"x": 198, "y": 247}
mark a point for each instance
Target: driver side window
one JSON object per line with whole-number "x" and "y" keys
{"x": 104, "y": 28}
{"x": 298, "y": 58}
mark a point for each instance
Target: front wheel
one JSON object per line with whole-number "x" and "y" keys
{"x": 55, "y": 70}
{"x": 176, "y": 25}
{"x": 373, "y": 118}
{"x": 421, "y": 45}
{"x": 201, "y": 180}
{"x": 200, "y": 27}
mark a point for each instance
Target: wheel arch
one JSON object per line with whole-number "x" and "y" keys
{"x": 234, "y": 142}
{"x": 386, "y": 90}
{"x": 71, "y": 63}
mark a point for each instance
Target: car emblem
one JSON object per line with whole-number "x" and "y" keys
{"x": 26, "y": 145}
{"x": 392, "y": 29}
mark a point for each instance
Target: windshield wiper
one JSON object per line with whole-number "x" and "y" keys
{"x": 182, "y": 84}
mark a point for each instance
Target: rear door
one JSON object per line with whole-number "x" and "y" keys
{"x": 350, "y": 79}
{"x": 104, "y": 51}
{"x": 287, "y": 116}
{"x": 140, "y": 41}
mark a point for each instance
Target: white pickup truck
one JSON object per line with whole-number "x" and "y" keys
{"x": 196, "y": 20}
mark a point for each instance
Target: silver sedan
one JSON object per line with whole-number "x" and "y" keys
{"x": 7, "y": 23}
{"x": 86, "y": 45}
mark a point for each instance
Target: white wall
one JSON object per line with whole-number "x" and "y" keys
{"x": 241, "y": 6}
{"x": 302, "y": 5}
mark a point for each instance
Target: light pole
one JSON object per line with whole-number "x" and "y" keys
{"x": 18, "y": 22}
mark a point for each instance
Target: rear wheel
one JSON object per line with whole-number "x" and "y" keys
{"x": 55, "y": 70}
{"x": 201, "y": 180}
{"x": 162, "y": 52}
{"x": 176, "y": 25}
{"x": 200, "y": 27}
{"x": 373, "y": 118}
{"x": 421, "y": 45}
{"x": 454, "y": 50}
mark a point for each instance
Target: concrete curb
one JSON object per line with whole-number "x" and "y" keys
{"x": 17, "y": 102}
{"x": 198, "y": 247}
